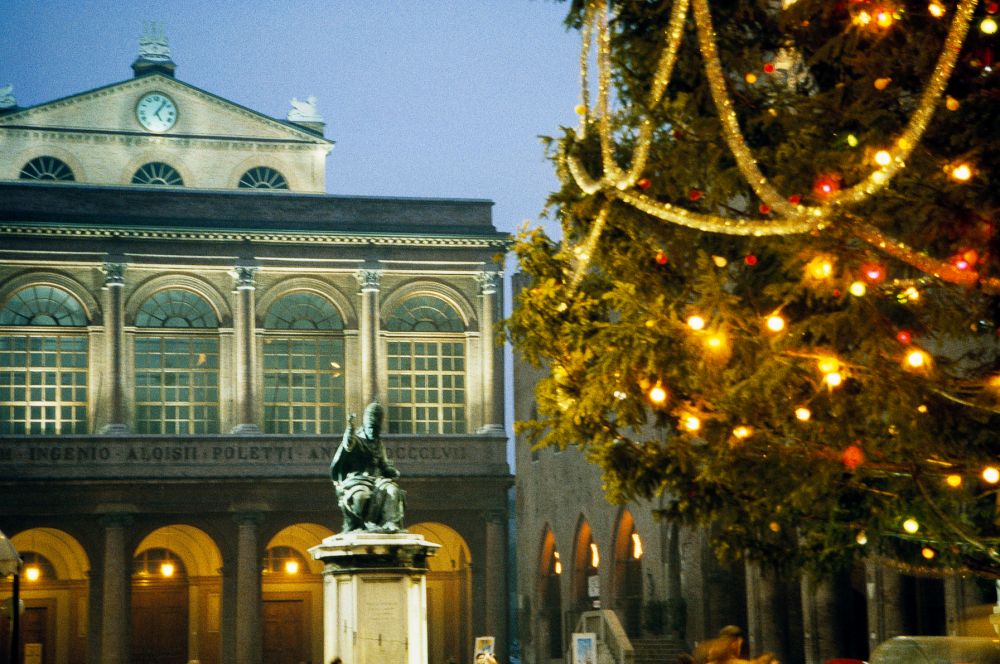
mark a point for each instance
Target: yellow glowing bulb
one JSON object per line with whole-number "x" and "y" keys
{"x": 954, "y": 481}
{"x": 595, "y": 558}
{"x": 557, "y": 568}
{"x": 951, "y": 103}
{"x": 696, "y": 323}
{"x": 750, "y": 78}
{"x": 852, "y": 140}
{"x": 803, "y": 413}
{"x": 991, "y": 474}
{"x": 927, "y": 552}
{"x": 716, "y": 342}
{"x": 692, "y": 423}
{"x": 636, "y": 546}
{"x": 828, "y": 364}
{"x": 32, "y": 573}
{"x": 581, "y": 109}
{"x": 820, "y": 268}
{"x": 833, "y": 379}
{"x": 292, "y": 566}
{"x": 774, "y": 526}
{"x": 720, "y": 261}
{"x": 936, "y": 9}
{"x": 742, "y": 432}
{"x": 883, "y": 19}
{"x": 863, "y": 18}
{"x": 916, "y": 359}
{"x": 988, "y": 26}
{"x": 657, "y": 394}
{"x": 775, "y": 323}
{"x": 883, "y": 158}
{"x": 911, "y": 526}
{"x": 858, "y": 289}
{"x": 961, "y": 173}
{"x": 167, "y": 569}
{"x": 912, "y": 294}
{"x": 921, "y": 408}
{"x": 861, "y": 538}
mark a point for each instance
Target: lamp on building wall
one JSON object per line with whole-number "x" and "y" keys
{"x": 10, "y": 564}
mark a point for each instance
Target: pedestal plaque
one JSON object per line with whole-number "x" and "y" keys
{"x": 375, "y": 597}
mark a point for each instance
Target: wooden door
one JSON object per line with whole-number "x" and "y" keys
{"x": 284, "y": 631}
{"x": 37, "y": 640}
{"x": 160, "y": 625}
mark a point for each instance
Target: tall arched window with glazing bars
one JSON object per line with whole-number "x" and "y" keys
{"x": 425, "y": 356}
{"x": 176, "y": 365}
{"x": 43, "y": 363}
{"x": 303, "y": 365}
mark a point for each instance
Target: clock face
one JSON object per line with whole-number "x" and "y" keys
{"x": 156, "y": 111}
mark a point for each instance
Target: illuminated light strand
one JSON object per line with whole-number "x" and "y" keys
{"x": 941, "y": 269}
{"x": 589, "y": 245}
{"x": 880, "y": 177}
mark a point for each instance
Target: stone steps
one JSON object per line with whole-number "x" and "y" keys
{"x": 657, "y": 649}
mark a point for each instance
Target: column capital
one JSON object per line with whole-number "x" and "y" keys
{"x": 244, "y": 276}
{"x": 114, "y": 271}
{"x": 489, "y": 281}
{"x": 116, "y": 520}
{"x": 368, "y": 280}
{"x": 248, "y": 518}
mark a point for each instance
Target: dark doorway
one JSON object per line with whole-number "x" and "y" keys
{"x": 284, "y": 631}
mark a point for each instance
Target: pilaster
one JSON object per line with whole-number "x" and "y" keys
{"x": 116, "y": 593}
{"x": 249, "y": 618}
{"x": 369, "y": 281}
{"x": 246, "y": 361}
{"x": 114, "y": 341}
{"x": 492, "y": 392}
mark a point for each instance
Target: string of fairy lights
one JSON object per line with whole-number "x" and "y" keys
{"x": 781, "y": 214}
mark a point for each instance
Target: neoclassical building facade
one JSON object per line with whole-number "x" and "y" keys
{"x": 186, "y": 322}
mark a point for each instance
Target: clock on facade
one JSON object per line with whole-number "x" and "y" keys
{"x": 156, "y": 111}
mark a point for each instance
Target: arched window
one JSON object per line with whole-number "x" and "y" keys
{"x": 284, "y": 560}
{"x": 159, "y": 564}
{"x": 303, "y": 365}
{"x": 43, "y": 372}
{"x": 47, "y": 168}
{"x": 37, "y": 568}
{"x": 550, "y": 570}
{"x": 176, "y": 373}
{"x": 426, "y": 367}
{"x": 262, "y": 177}
{"x": 627, "y": 577}
{"x": 158, "y": 173}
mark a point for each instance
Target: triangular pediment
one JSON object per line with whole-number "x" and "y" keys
{"x": 112, "y": 109}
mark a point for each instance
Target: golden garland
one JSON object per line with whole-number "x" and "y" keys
{"x": 616, "y": 183}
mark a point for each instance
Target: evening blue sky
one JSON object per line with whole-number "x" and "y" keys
{"x": 427, "y": 98}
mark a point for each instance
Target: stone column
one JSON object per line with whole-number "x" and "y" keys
{"x": 495, "y": 578}
{"x": 246, "y": 356}
{"x": 883, "y": 590}
{"x": 763, "y": 609}
{"x": 117, "y": 589}
{"x": 819, "y": 619}
{"x": 249, "y": 611}
{"x": 227, "y": 621}
{"x": 492, "y": 366}
{"x": 368, "y": 324}
{"x": 95, "y": 604}
{"x": 114, "y": 342}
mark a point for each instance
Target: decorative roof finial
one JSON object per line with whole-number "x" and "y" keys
{"x": 154, "y": 51}
{"x": 306, "y": 114}
{"x": 7, "y": 97}
{"x": 153, "y": 42}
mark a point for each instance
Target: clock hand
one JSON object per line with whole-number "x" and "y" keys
{"x": 157, "y": 113}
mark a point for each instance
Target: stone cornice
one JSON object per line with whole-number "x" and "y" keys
{"x": 255, "y": 236}
{"x": 138, "y": 138}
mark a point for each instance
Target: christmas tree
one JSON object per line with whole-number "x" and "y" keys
{"x": 776, "y": 296}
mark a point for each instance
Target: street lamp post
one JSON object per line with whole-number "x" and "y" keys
{"x": 10, "y": 563}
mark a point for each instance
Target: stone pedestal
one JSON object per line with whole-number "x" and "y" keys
{"x": 375, "y": 597}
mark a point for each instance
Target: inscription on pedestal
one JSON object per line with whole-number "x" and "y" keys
{"x": 382, "y": 626}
